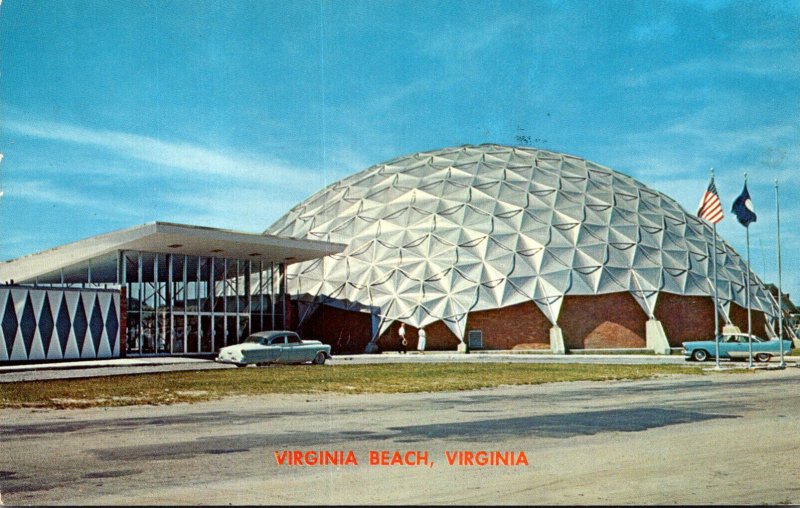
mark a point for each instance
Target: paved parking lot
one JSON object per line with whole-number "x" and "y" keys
{"x": 723, "y": 438}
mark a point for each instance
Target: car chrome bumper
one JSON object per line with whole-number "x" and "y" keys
{"x": 226, "y": 360}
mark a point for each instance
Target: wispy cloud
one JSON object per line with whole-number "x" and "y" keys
{"x": 243, "y": 210}
{"x": 726, "y": 141}
{"x": 715, "y": 133}
{"x": 676, "y": 156}
{"x": 14, "y": 240}
{"x": 389, "y": 99}
{"x": 175, "y": 155}
{"x": 754, "y": 58}
{"x": 348, "y": 160}
{"x": 45, "y": 192}
{"x": 460, "y": 41}
{"x": 175, "y": 180}
{"x": 97, "y": 171}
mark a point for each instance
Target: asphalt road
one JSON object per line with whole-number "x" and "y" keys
{"x": 722, "y": 438}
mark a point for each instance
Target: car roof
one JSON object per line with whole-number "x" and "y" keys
{"x": 273, "y": 333}
{"x": 745, "y": 335}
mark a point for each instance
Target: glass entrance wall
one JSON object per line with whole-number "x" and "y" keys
{"x": 178, "y": 304}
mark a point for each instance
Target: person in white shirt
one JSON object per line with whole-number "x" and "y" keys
{"x": 422, "y": 340}
{"x": 403, "y": 342}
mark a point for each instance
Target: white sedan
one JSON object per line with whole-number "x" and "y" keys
{"x": 280, "y": 346}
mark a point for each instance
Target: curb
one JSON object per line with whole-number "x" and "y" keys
{"x": 87, "y": 364}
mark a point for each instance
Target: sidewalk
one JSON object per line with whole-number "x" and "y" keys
{"x": 109, "y": 362}
{"x": 107, "y": 367}
{"x": 508, "y": 356}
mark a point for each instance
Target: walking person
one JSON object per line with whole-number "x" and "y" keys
{"x": 422, "y": 340}
{"x": 403, "y": 342}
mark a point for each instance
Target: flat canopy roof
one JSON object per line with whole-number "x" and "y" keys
{"x": 163, "y": 238}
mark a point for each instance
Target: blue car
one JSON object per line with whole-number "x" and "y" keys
{"x": 735, "y": 347}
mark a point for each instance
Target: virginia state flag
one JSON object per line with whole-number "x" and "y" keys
{"x": 743, "y": 208}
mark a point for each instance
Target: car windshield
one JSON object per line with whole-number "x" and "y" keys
{"x": 254, "y": 339}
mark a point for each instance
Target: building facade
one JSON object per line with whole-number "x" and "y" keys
{"x": 501, "y": 247}
{"x": 177, "y": 289}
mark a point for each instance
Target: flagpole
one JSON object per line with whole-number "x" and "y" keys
{"x": 747, "y": 297}
{"x": 710, "y": 209}
{"x": 716, "y": 295}
{"x": 716, "y": 302}
{"x": 780, "y": 291}
{"x": 749, "y": 317}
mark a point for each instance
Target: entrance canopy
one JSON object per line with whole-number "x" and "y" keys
{"x": 98, "y": 256}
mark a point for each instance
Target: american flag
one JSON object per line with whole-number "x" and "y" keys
{"x": 710, "y": 206}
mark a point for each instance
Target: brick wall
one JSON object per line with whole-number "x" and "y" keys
{"x": 437, "y": 338}
{"x": 598, "y": 321}
{"x": 292, "y": 315}
{"x": 613, "y": 320}
{"x": 686, "y": 318}
{"x": 739, "y": 317}
{"x": 518, "y": 325}
{"x": 521, "y": 325}
{"x": 346, "y": 331}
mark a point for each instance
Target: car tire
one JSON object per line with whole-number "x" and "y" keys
{"x": 319, "y": 359}
{"x": 240, "y": 365}
{"x": 699, "y": 355}
{"x": 763, "y": 357}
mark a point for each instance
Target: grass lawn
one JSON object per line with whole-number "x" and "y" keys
{"x": 174, "y": 387}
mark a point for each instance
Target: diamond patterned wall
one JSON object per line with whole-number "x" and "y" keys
{"x": 29, "y": 330}
{"x": 436, "y": 235}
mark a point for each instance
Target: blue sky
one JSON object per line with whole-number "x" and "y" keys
{"x": 227, "y": 113}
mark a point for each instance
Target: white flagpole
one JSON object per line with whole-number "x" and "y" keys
{"x": 747, "y": 297}
{"x": 716, "y": 302}
{"x": 780, "y": 291}
{"x": 716, "y": 295}
{"x": 749, "y": 316}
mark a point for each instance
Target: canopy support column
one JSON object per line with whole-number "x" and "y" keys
{"x": 557, "y": 341}
{"x": 656, "y": 337}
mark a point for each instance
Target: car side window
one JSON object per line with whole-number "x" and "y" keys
{"x": 293, "y": 339}
{"x": 275, "y": 341}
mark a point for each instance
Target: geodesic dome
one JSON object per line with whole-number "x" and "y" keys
{"x": 436, "y": 235}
